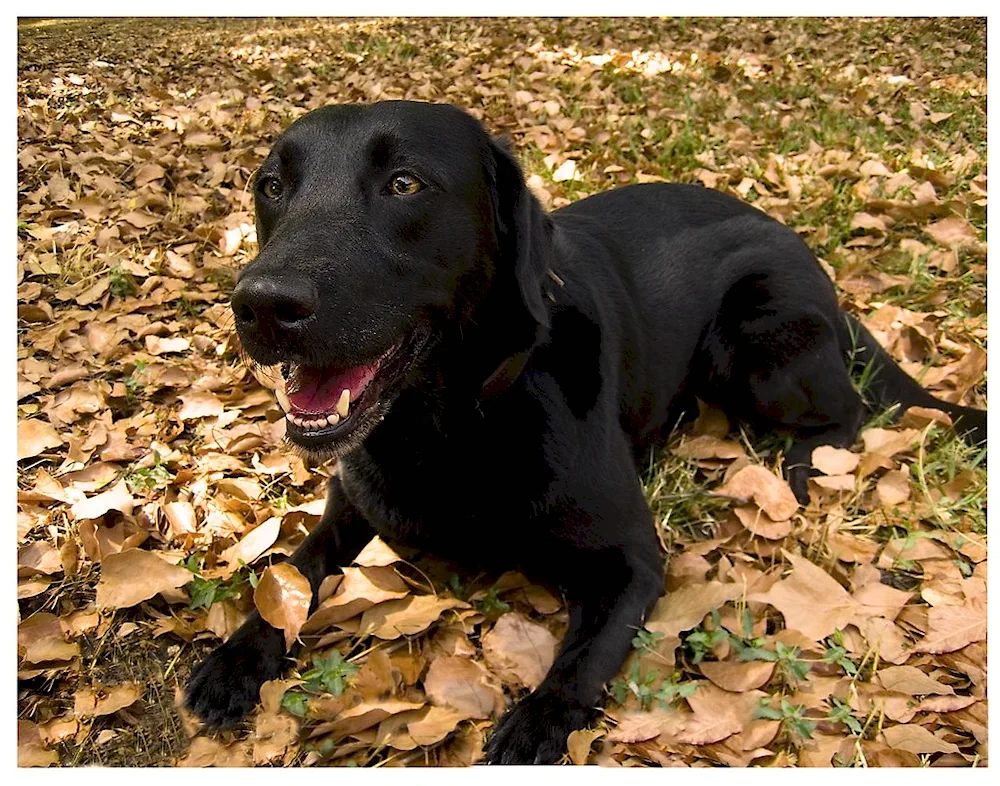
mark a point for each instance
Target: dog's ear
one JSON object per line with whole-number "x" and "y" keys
{"x": 524, "y": 232}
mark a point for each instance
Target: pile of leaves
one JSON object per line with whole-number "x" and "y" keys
{"x": 155, "y": 502}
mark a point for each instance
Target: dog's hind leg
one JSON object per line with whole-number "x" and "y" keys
{"x": 787, "y": 371}
{"x": 225, "y": 686}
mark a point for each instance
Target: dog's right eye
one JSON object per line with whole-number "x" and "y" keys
{"x": 272, "y": 188}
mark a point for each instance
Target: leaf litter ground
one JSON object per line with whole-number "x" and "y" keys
{"x": 155, "y": 503}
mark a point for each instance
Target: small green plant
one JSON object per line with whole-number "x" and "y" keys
{"x": 149, "y": 478}
{"x": 645, "y": 641}
{"x": 700, "y": 641}
{"x": 792, "y": 667}
{"x": 638, "y": 685}
{"x": 673, "y": 689}
{"x": 836, "y": 654}
{"x": 842, "y": 713}
{"x": 491, "y": 603}
{"x": 641, "y": 686}
{"x": 329, "y": 674}
{"x": 121, "y": 284}
{"x": 205, "y": 592}
{"x": 133, "y": 385}
{"x": 792, "y": 717}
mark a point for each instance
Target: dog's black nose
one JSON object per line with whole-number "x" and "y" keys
{"x": 272, "y": 302}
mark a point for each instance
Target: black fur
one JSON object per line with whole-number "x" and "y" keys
{"x": 544, "y": 354}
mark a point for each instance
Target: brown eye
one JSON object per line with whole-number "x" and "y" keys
{"x": 404, "y": 184}
{"x": 272, "y": 188}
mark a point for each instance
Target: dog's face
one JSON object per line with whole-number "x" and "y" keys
{"x": 378, "y": 225}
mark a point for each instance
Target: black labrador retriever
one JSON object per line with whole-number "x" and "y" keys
{"x": 488, "y": 375}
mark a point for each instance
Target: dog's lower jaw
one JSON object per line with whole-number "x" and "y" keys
{"x": 340, "y": 447}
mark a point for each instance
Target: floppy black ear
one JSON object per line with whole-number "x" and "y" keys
{"x": 523, "y": 229}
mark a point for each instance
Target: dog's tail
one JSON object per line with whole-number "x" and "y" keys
{"x": 886, "y": 384}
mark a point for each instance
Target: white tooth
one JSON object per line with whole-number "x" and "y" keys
{"x": 344, "y": 404}
{"x": 333, "y": 420}
{"x": 282, "y": 397}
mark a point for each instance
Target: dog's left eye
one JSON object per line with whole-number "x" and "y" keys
{"x": 404, "y": 183}
{"x": 271, "y": 188}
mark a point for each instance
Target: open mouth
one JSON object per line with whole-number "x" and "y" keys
{"x": 323, "y": 404}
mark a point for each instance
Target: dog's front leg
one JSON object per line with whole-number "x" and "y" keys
{"x": 225, "y": 686}
{"x": 609, "y": 593}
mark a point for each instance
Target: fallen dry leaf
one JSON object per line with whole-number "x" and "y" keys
{"x": 770, "y": 492}
{"x": 132, "y": 576}
{"x": 35, "y": 436}
{"x": 464, "y": 686}
{"x": 950, "y": 628}
{"x": 737, "y": 677}
{"x": 834, "y": 461}
{"x": 116, "y": 498}
{"x": 406, "y": 616}
{"x": 810, "y": 600}
{"x": 104, "y": 700}
{"x": 519, "y": 650}
{"x": 282, "y": 597}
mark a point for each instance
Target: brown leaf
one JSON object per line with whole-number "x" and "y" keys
{"x": 685, "y": 608}
{"x": 887, "y": 442}
{"x": 41, "y": 638}
{"x": 34, "y": 437}
{"x": 579, "y": 743}
{"x": 810, "y": 600}
{"x": 116, "y": 498}
{"x": 406, "y": 616}
{"x": 376, "y": 554}
{"x": 759, "y": 523}
{"x": 367, "y": 714}
{"x": 462, "y": 685}
{"x": 208, "y": 752}
{"x": 519, "y": 650}
{"x": 94, "y": 702}
{"x": 275, "y": 738}
{"x": 38, "y": 557}
{"x": 879, "y": 600}
{"x": 954, "y": 232}
{"x": 705, "y": 446}
{"x": 737, "y": 676}
{"x": 282, "y": 597}
{"x": 717, "y": 715}
{"x": 834, "y": 461}
{"x": 200, "y": 404}
{"x": 893, "y": 488}
{"x": 31, "y": 751}
{"x": 911, "y": 681}
{"x": 132, "y": 576}
{"x": 950, "y": 628}
{"x": 412, "y": 728}
{"x": 770, "y": 492}
{"x": 253, "y": 544}
{"x": 915, "y": 739}
{"x": 359, "y": 589}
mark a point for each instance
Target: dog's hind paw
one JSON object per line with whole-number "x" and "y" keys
{"x": 535, "y": 730}
{"x": 225, "y": 687}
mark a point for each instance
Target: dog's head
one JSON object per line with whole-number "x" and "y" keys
{"x": 385, "y": 231}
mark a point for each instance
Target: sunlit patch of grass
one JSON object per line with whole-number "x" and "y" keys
{"x": 942, "y": 459}
{"x": 681, "y": 501}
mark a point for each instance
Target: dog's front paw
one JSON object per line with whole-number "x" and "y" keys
{"x": 225, "y": 687}
{"x": 534, "y": 730}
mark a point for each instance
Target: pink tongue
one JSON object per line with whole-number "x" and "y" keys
{"x": 319, "y": 390}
